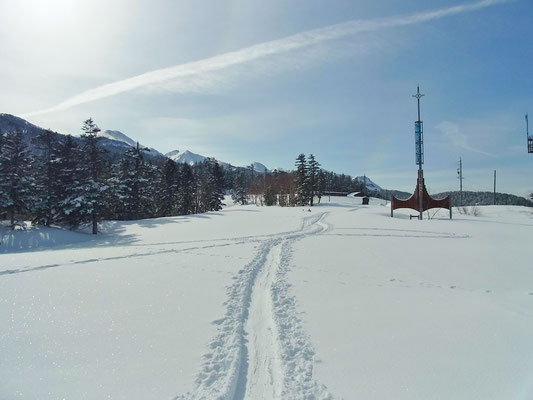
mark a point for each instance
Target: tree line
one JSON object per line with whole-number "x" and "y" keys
{"x": 68, "y": 184}
{"x": 302, "y": 187}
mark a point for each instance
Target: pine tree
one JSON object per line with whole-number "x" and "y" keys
{"x": 321, "y": 185}
{"x": 133, "y": 190}
{"x": 240, "y": 189}
{"x": 200, "y": 187}
{"x": 313, "y": 171}
{"x": 92, "y": 179}
{"x": 301, "y": 178}
{"x": 16, "y": 181}
{"x": 48, "y": 184}
{"x": 186, "y": 190}
{"x": 216, "y": 185}
{"x": 70, "y": 194}
{"x": 269, "y": 196}
{"x": 167, "y": 192}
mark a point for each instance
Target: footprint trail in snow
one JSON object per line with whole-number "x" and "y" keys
{"x": 261, "y": 350}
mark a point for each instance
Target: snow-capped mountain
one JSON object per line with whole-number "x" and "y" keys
{"x": 258, "y": 167}
{"x": 116, "y": 143}
{"x": 121, "y": 137}
{"x": 188, "y": 157}
{"x": 368, "y": 183}
{"x": 117, "y": 135}
{"x": 185, "y": 157}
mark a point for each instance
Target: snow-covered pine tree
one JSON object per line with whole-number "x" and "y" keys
{"x": 216, "y": 185}
{"x": 301, "y": 180}
{"x": 269, "y": 197}
{"x": 186, "y": 190}
{"x": 201, "y": 187}
{"x": 16, "y": 180}
{"x": 240, "y": 188}
{"x": 69, "y": 210}
{"x": 93, "y": 183}
{"x": 133, "y": 186}
{"x": 321, "y": 185}
{"x": 167, "y": 190}
{"x": 48, "y": 186}
{"x": 313, "y": 170}
{"x": 152, "y": 175}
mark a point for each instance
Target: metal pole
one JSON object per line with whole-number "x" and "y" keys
{"x": 529, "y": 139}
{"x": 460, "y": 172}
{"x": 494, "y": 197}
{"x": 418, "y": 95}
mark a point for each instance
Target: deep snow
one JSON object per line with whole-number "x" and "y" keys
{"x": 265, "y": 302}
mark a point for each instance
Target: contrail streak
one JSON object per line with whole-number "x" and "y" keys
{"x": 199, "y": 69}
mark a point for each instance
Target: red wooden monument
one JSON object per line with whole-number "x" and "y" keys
{"x": 420, "y": 200}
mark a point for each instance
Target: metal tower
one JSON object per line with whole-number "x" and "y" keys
{"x": 419, "y": 150}
{"x": 529, "y": 138}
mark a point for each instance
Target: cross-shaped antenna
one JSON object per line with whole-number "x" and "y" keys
{"x": 418, "y": 96}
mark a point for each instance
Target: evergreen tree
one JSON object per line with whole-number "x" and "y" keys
{"x": 92, "y": 176}
{"x": 313, "y": 172}
{"x": 321, "y": 185}
{"x": 69, "y": 205}
{"x": 301, "y": 178}
{"x": 240, "y": 189}
{"x": 269, "y": 196}
{"x": 216, "y": 185}
{"x": 16, "y": 182}
{"x": 186, "y": 190}
{"x": 133, "y": 190}
{"x": 200, "y": 187}
{"x": 48, "y": 184}
{"x": 167, "y": 193}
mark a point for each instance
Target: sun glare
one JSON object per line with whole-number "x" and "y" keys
{"x": 42, "y": 14}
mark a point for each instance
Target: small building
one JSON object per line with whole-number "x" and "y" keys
{"x": 365, "y": 201}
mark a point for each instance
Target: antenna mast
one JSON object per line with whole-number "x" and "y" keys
{"x": 529, "y": 138}
{"x": 460, "y": 177}
{"x": 419, "y": 145}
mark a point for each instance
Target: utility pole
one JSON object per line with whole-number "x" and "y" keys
{"x": 460, "y": 173}
{"x": 494, "y": 199}
{"x": 419, "y": 143}
{"x": 529, "y": 138}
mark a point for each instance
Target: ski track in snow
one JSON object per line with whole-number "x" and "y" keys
{"x": 261, "y": 341}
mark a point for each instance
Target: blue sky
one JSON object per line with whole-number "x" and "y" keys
{"x": 254, "y": 80}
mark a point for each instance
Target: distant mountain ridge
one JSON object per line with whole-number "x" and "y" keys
{"x": 369, "y": 184}
{"x": 185, "y": 157}
{"x": 11, "y": 123}
{"x": 114, "y": 141}
{"x": 121, "y": 137}
{"x": 467, "y": 198}
{"x": 188, "y": 157}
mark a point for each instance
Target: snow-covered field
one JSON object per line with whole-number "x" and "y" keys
{"x": 341, "y": 301}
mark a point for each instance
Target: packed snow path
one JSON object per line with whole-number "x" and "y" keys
{"x": 264, "y": 378}
{"x": 260, "y": 341}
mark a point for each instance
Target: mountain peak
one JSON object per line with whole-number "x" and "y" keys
{"x": 259, "y": 167}
{"x": 117, "y": 135}
{"x": 370, "y": 185}
{"x": 172, "y": 153}
{"x": 185, "y": 156}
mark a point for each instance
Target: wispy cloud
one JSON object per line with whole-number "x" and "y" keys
{"x": 197, "y": 74}
{"x": 458, "y": 138}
